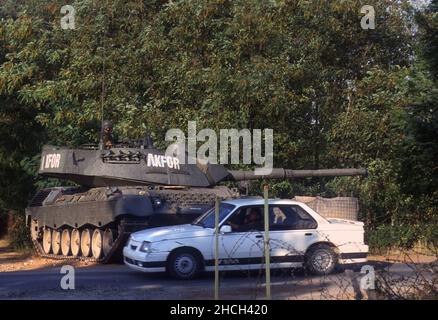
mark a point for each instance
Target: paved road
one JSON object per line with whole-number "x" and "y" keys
{"x": 119, "y": 282}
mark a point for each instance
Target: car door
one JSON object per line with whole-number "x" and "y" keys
{"x": 241, "y": 247}
{"x": 291, "y": 231}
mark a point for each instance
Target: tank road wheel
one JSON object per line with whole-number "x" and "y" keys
{"x": 96, "y": 243}
{"x": 56, "y": 242}
{"x": 75, "y": 242}
{"x": 108, "y": 240}
{"x": 47, "y": 240}
{"x": 65, "y": 242}
{"x": 86, "y": 242}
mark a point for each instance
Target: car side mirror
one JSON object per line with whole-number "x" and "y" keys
{"x": 225, "y": 229}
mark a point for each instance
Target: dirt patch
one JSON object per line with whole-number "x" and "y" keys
{"x": 11, "y": 260}
{"x": 409, "y": 256}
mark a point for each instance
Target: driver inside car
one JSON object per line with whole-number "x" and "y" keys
{"x": 253, "y": 222}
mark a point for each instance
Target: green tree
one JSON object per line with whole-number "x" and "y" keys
{"x": 336, "y": 95}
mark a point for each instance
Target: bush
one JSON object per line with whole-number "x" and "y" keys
{"x": 3, "y": 223}
{"x": 19, "y": 233}
{"x": 430, "y": 237}
{"x": 386, "y": 237}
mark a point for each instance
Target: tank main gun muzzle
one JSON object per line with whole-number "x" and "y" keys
{"x": 280, "y": 173}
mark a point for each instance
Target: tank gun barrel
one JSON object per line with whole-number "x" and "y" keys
{"x": 280, "y": 173}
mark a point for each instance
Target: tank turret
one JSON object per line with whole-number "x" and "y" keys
{"x": 136, "y": 165}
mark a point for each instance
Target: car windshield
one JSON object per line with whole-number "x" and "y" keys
{"x": 207, "y": 219}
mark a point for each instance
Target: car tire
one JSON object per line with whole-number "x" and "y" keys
{"x": 184, "y": 264}
{"x": 321, "y": 260}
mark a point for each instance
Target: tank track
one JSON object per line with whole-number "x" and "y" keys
{"x": 126, "y": 227}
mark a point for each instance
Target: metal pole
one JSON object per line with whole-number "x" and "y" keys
{"x": 216, "y": 249}
{"x": 267, "y": 249}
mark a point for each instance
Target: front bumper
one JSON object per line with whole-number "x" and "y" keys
{"x": 145, "y": 262}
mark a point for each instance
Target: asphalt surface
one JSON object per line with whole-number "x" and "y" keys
{"x": 119, "y": 282}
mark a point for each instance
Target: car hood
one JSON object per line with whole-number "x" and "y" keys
{"x": 171, "y": 233}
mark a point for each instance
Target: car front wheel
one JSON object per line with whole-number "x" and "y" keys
{"x": 184, "y": 264}
{"x": 321, "y": 260}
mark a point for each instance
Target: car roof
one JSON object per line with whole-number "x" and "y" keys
{"x": 258, "y": 201}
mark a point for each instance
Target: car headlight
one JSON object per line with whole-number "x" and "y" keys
{"x": 145, "y": 247}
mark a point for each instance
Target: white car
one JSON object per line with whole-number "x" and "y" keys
{"x": 298, "y": 237}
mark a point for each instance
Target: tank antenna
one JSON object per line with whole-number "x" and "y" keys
{"x": 102, "y": 102}
{"x": 103, "y": 92}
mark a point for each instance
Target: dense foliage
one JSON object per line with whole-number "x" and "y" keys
{"x": 336, "y": 95}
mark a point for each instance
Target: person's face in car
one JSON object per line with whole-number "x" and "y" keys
{"x": 253, "y": 217}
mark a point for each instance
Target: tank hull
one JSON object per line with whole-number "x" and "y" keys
{"x": 55, "y": 215}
